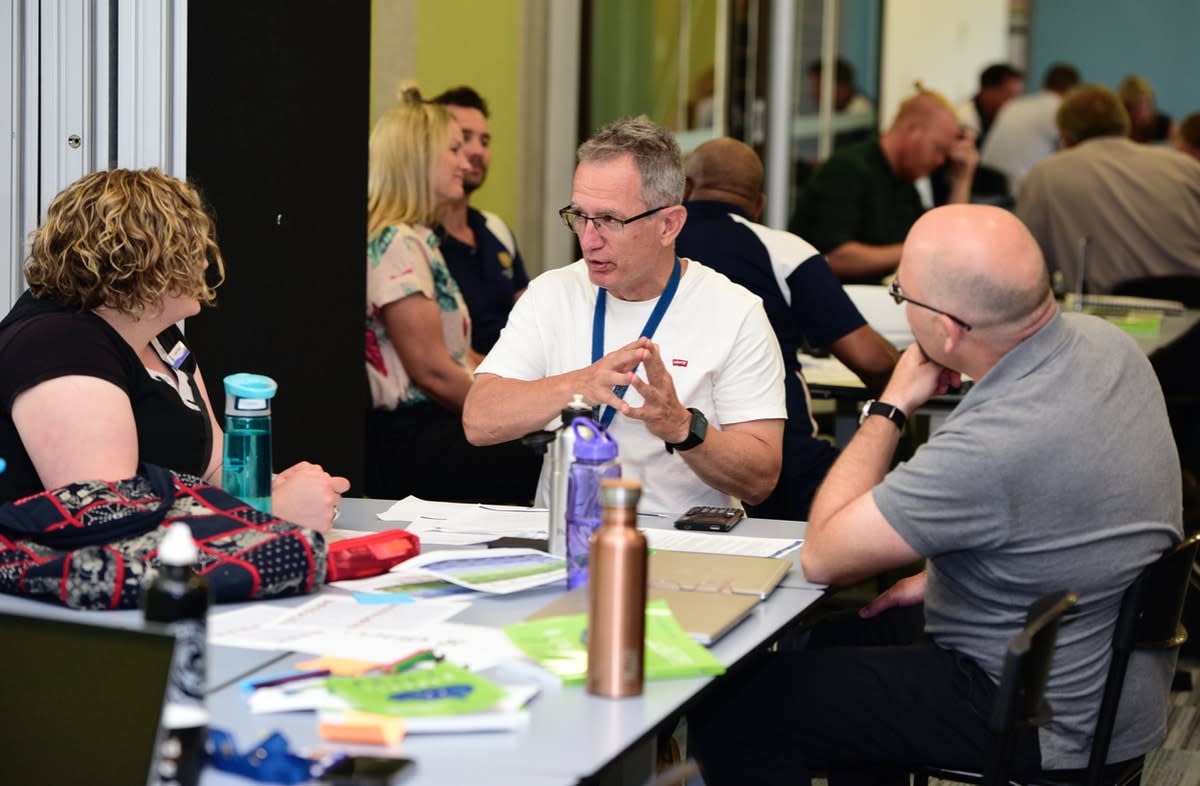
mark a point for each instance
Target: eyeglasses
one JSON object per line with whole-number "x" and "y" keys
{"x": 606, "y": 225}
{"x": 900, "y": 297}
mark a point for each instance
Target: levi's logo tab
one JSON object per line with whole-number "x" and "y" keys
{"x": 680, "y": 362}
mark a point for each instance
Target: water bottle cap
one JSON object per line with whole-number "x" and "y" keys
{"x": 178, "y": 547}
{"x": 619, "y": 493}
{"x": 592, "y": 442}
{"x": 249, "y": 394}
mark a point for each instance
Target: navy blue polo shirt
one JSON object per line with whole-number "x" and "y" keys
{"x": 758, "y": 257}
{"x": 489, "y": 275}
{"x": 803, "y": 300}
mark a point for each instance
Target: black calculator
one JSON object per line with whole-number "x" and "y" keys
{"x": 710, "y": 518}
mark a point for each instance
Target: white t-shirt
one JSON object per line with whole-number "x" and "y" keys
{"x": 1023, "y": 133}
{"x": 715, "y": 340}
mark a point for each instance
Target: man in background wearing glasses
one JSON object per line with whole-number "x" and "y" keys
{"x": 1055, "y": 471}
{"x": 680, "y": 361}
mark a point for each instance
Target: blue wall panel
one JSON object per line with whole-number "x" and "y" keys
{"x": 1109, "y": 39}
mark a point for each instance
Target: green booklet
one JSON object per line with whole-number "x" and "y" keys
{"x": 445, "y": 689}
{"x": 560, "y": 645}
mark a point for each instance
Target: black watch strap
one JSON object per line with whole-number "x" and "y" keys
{"x": 697, "y": 431}
{"x": 889, "y": 411}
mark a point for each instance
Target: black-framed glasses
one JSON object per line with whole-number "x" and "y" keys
{"x": 900, "y": 297}
{"x": 606, "y": 225}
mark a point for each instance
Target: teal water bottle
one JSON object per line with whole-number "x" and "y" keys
{"x": 246, "y": 467}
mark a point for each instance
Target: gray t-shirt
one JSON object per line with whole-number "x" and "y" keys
{"x": 1056, "y": 471}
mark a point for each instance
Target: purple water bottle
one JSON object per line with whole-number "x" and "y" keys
{"x": 595, "y": 450}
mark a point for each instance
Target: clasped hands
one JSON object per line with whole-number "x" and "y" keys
{"x": 661, "y": 411}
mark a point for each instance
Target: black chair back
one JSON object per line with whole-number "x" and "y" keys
{"x": 1148, "y": 619}
{"x": 1183, "y": 288}
{"x": 1020, "y": 701}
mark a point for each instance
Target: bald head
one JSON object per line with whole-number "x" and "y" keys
{"x": 726, "y": 170}
{"x": 922, "y": 135}
{"x": 927, "y": 107}
{"x": 980, "y": 263}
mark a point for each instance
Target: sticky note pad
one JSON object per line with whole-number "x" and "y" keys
{"x": 361, "y": 727}
{"x": 341, "y": 667}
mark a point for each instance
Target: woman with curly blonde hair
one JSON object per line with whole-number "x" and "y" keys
{"x": 418, "y": 327}
{"x": 97, "y": 376}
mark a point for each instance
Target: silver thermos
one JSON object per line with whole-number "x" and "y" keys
{"x": 562, "y": 453}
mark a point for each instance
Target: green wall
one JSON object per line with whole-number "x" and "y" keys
{"x": 442, "y": 44}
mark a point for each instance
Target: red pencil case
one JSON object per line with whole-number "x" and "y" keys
{"x": 370, "y": 555}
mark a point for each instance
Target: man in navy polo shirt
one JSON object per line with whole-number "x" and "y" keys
{"x": 478, "y": 246}
{"x": 802, "y": 297}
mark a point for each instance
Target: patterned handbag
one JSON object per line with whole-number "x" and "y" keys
{"x": 91, "y": 545}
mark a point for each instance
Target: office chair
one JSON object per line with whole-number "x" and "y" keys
{"x": 1149, "y": 619}
{"x": 1019, "y": 698}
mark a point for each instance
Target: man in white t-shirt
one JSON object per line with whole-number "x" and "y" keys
{"x": 683, "y": 361}
{"x": 1024, "y": 131}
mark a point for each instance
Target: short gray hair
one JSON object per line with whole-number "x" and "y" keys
{"x": 655, "y": 153}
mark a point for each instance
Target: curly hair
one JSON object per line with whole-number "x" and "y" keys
{"x": 402, "y": 154}
{"x": 125, "y": 239}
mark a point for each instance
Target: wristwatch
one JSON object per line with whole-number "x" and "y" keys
{"x": 892, "y": 413}
{"x": 697, "y": 430}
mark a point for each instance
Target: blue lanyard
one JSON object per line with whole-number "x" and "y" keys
{"x": 656, "y": 316}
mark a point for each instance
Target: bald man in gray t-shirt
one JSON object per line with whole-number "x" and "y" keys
{"x": 1056, "y": 471}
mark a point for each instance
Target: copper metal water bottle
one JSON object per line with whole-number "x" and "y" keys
{"x": 617, "y": 611}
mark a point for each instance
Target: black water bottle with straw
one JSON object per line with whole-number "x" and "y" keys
{"x": 179, "y": 598}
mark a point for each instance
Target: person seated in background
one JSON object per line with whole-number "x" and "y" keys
{"x": 860, "y": 203}
{"x": 1017, "y": 495}
{"x": 98, "y": 379}
{"x": 682, "y": 363}
{"x": 1023, "y": 132}
{"x": 418, "y": 327}
{"x": 804, "y": 302}
{"x": 999, "y": 83}
{"x": 847, "y": 98}
{"x": 1187, "y": 136}
{"x": 477, "y": 245}
{"x": 1133, "y": 211}
{"x": 1146, "y": 123}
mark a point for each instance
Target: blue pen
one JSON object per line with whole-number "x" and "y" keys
{"x": 460, "y": 691}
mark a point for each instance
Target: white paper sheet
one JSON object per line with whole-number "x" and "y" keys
{"x": 708, "y": 543}
{"x": 459, "y": 523}
{"x": 335, "y": 625}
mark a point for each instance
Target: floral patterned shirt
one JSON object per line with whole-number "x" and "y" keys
{"x": 404, "y": 260}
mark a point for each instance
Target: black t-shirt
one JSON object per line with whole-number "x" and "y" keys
{"x": 43, "y": 340}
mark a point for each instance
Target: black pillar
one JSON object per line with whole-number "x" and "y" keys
{"x": 277, "y": 124}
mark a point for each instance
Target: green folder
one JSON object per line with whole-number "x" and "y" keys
{"x": 559, "y": 644}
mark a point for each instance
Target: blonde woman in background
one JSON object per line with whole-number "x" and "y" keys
{"x": 418, "y": 329}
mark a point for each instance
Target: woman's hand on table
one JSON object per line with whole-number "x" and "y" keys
{"x": 307, "y": 495}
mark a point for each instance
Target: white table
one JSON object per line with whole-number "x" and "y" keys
{"x": 571, "y": 735}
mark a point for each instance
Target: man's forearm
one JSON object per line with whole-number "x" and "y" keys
{"x": 860, "y": 260}
{"x": 499, "y": 409}
{"x": 739, "y": 463}
{"x": 862, "y": 465}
